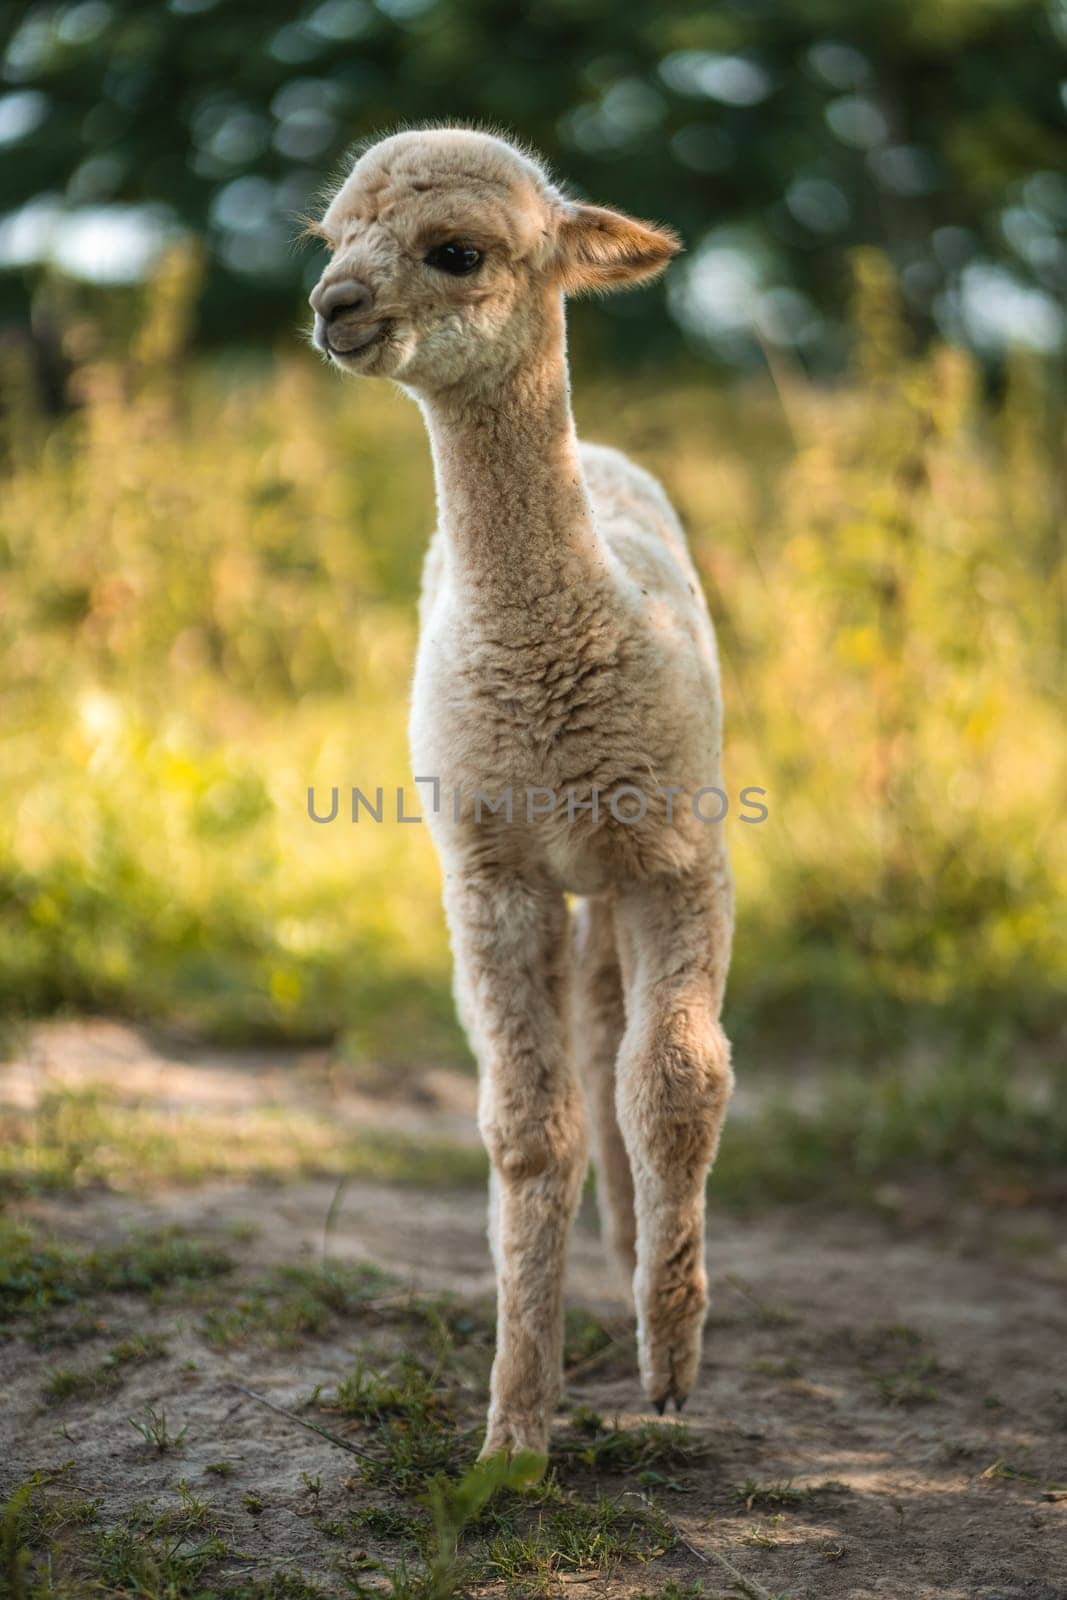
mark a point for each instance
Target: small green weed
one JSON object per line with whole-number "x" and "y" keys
{"x": 388, "y": 1522}
{"x": 409, "y": 1423}
{"x": 155, "y": 1430}
{"x": 753, "y": 1494}
{"x": 68, "y": 1384}
{"x": 910, "y": 1386}
{"x": 590, "y": 1442}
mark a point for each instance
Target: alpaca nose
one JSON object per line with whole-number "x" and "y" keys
{"x": 329, "y": 300}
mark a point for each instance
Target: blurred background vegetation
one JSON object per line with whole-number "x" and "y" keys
{"x": 210, "y": 547}
{"x": 776, "y": 135}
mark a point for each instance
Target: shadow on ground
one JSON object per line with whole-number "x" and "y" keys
{"x": 882, "y": 1411}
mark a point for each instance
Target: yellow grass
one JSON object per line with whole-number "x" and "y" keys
{"x": 207, "y": 584}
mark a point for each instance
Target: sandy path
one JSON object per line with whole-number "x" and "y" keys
{"x": 919, "y": 1369}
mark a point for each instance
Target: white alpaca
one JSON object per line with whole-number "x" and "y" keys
{"x": 565, "y": 649}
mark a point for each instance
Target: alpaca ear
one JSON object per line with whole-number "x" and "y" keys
{"x": 598, "y": 249}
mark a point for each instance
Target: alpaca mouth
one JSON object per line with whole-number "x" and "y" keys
{"x": 356, "y": 344}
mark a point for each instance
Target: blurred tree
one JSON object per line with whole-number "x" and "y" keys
{"x": 777, "y": 135}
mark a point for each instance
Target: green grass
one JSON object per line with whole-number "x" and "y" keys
{"x": 910, "y": 1386}
{"x": 896, "y": 1362}
{"x": 39, "y": 1279}
{"x": 209, "y": 606}
{"x": 290, "y": 1305}
{"x": 53, "y": 1547}
{"x": 591, "y": 1443}
{"x": 90, "y": 1137}
{"x": 975, "y": 1119}
{"x": 976, "y": 1122}
{"x": 408, "y": 1423}
{"x": 57, "y": 1295}
{"x": 156, "y": 1431}
{"x": 441, "y": 1525}
{"x": 778, "y": 1496}
{"x": 388, "y": 1522}
{"x": 437, "y": 1525}
{"x": 673, "y": 1590}
{"x": 492, "y": 1523}
{"x": 68, "y": 1383}
{"x": 571, "y": 1537}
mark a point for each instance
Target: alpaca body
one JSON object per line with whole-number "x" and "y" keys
{"x": 605, "y": 679}
{"x": 565, "y": 648}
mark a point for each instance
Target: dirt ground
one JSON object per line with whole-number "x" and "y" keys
{"x": 882, "y": 1412}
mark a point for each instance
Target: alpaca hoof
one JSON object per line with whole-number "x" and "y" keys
{"x": 520, "y": 1440}
{"x": 670, "y": 1360}
{"x": 679, "y": 1401}
{"x": 512, "y": 1469}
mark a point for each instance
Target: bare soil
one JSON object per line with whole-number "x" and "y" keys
{"x": 883, "y": 1403}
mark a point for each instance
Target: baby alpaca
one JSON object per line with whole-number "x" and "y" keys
{"x": 567, "y": 686}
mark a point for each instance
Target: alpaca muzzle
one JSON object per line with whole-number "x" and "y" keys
{"x": 342, "y": 307}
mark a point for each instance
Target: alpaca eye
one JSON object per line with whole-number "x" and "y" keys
{"x": 455, "y": 259}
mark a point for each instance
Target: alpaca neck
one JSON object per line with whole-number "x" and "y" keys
{"x": 510, "y": 492}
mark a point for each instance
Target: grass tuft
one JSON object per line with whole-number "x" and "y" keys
{"x": 155, "y": 1430}
{"x": 38, "y": 1279}
{"x": 591, "y": 1443}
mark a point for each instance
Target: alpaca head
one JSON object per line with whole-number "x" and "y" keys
{"x": 447, "y": 247}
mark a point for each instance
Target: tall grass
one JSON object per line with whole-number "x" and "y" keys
{"x": 207, "y": 585}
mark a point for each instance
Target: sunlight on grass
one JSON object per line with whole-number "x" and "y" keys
{"x": 967, "y": 1119}
{"x": 208, "y": 585}
{"x": 78, "y": 1139}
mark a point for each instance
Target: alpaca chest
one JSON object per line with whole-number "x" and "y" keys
{"x": 550, "y": 717}
{"x": 555, "y": 764}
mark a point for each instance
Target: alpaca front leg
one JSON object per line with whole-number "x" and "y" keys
{"x": 511, "y": 944}
{"x": 674, "y": 1082}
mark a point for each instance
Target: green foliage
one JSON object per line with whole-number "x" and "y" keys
{"x": 593, "y": 1444}
{"x": 293, "y": 1304}
{"x": 35, "y": 1516}
{"x": 38, "y": 1278}
{"x": 67, "y": 1383}
{"x": 214, "y": 611}
{"x": 409, "y": 1415}
{"x": 14, "y": 1554}
{"x": 974, "y": 1120}
{"x": 82, "y": 1138}
{"x": 673, "y": 1590}
{"x": 454, "y": 1506}
{"x": 572, "y": 1536}
{"x": 910, "y": 1386}
{"x": 156, "y": 1431}
{"x": 502, "y": 1520}
{"x": 767, "y": 1495}
{"x": 904, "y": 120}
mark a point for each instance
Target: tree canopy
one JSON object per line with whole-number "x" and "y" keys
{"x": 776, "y": 135}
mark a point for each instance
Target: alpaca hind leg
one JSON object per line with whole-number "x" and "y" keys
{"x": 599, "y": 1024}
